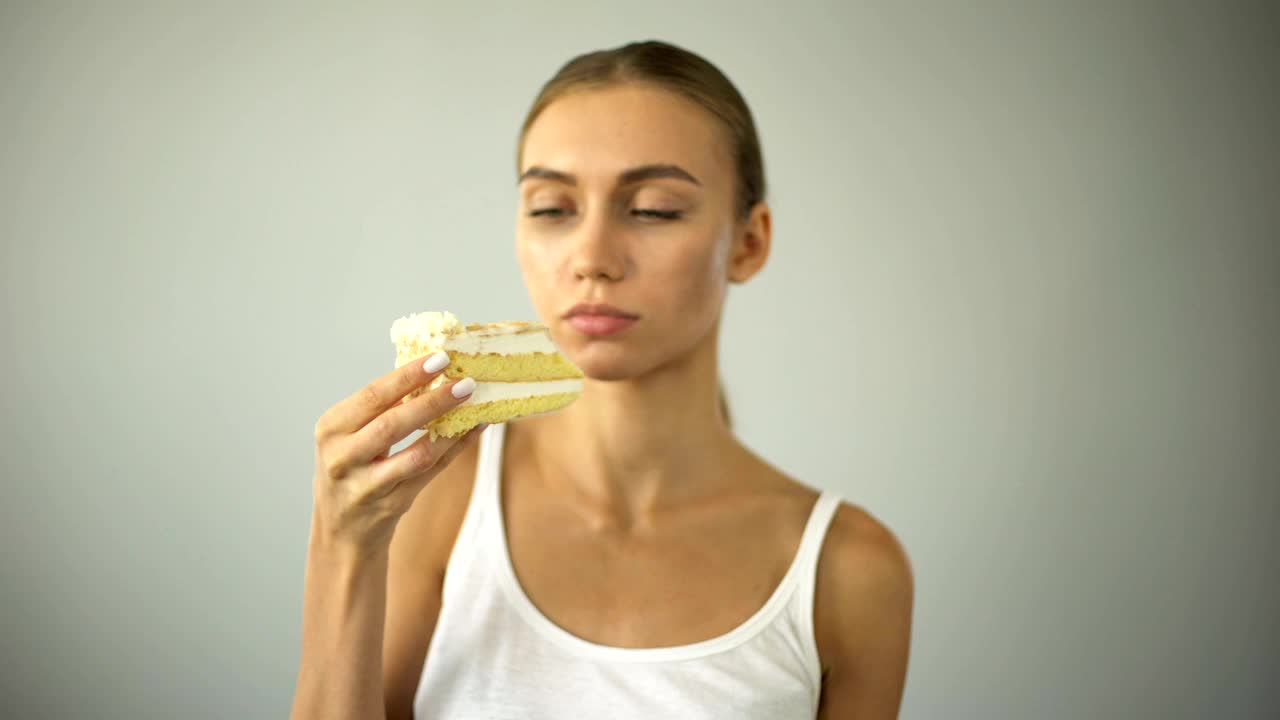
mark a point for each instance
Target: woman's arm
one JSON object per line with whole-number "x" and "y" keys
{"x": 862, "y": 613}
{"x": 368, "y": 619}
{"x": 344, "y": 603}
{"x": 361, "y": 491}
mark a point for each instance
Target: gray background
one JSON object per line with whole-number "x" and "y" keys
{"x": 1023, "y": 306}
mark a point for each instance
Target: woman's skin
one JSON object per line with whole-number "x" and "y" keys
{"x": 634, "y": 517}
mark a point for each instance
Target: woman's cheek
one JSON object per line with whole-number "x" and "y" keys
{"x": 536, "y": 285}
{"x": 686, "y": 295}
{"x": 537, "y": 265}
{"x": 704, "y": 270}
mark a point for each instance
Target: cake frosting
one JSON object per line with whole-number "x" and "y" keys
{"x": 425, "y": 326}
{"x": 443, "y": 330}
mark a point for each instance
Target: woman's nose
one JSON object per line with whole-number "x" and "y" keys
{"x": 598, "y": 252}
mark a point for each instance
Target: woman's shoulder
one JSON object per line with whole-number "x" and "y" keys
{"x": 862, "y": 607}
{"x": 864, "y": 585}
{"x": 862, "y": 553}
{"x": 856, "y": 538}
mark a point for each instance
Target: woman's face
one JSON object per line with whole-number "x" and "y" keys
{"x": 627, "y": 200}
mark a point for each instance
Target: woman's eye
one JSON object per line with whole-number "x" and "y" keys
{"x": 657, "y": 214}
{"x": 547, "y": 212}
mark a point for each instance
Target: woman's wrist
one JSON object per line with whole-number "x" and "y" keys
{"x": 342, "y": 551}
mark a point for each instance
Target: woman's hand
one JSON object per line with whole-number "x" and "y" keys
{"x": 360, "y": 491}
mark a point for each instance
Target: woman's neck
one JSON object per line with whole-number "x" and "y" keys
{"x": 629, "y": 446}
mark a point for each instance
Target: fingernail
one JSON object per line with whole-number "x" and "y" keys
{"x": 463, "y": 388}
{"x": 437, "y": 362}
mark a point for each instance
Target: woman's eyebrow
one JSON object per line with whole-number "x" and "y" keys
{"x": 546, "y": 174}
{"x": 652, "y": 172}
{"x": 628, "y": 177}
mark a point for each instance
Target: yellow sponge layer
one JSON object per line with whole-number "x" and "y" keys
{"x": 525, "y": 367}
{"x": 465, "y": 417}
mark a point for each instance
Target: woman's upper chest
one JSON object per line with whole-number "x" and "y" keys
{"x": 680, "y": 576}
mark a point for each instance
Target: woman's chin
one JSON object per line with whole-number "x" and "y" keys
{"x": 605, "y": 366}
{"x": 618, "y": 358}
{"x": 606, "y": 372}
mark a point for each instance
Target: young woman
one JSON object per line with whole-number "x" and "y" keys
{"x": 627, "y": 557}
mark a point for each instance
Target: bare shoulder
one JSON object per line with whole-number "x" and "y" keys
{"x": 419, "y": 553}
{"x": 862, "y": 616}
{"x": 863, "y": 559}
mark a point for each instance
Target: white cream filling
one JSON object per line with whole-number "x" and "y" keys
{"x": 494, "y": 391}
{"x": 529, "y": 342}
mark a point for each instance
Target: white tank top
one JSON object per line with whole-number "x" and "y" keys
{"x": 494, "y": 655}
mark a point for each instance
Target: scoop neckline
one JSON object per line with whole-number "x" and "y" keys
{"x": 553, "y": 632}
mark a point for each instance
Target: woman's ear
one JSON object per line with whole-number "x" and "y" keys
{"x": 752, "y": 238}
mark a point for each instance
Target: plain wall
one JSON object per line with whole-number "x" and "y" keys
{"x": 1023, "y": 305}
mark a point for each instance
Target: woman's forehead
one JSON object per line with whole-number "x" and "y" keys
{"x": 606, "y": 131}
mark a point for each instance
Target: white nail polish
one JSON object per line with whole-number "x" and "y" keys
{"x": 437, "y": 362}
{"x": 463, "y": 388}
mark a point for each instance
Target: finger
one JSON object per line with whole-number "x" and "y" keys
{"x": 397, "y": 423}
{"x": 421, "y": 461}
{"x": 360, "y": 408}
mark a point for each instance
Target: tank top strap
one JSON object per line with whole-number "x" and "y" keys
{"x": 801, "y": 605}
{"x": 489, "y": 464}
{"x": 815, "y": 530}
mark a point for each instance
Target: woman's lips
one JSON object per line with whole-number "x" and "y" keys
{"x": 600, "y": 325}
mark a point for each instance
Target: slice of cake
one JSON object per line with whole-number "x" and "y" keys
{"x": 517, "y": 368}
